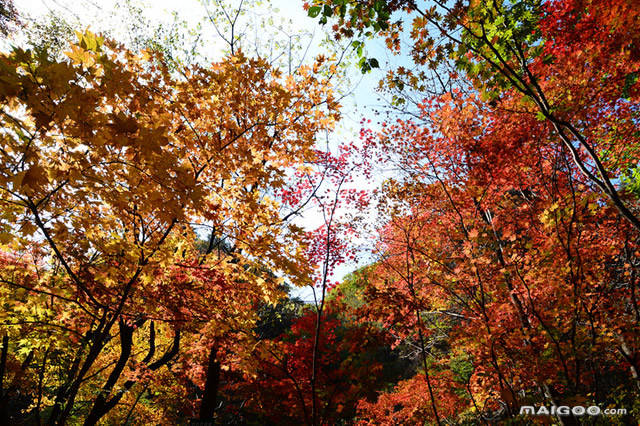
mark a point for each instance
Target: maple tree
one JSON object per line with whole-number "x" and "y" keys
{"x": 497, "y": 258}
{"x": 348, "y": 370}
{"x": 528, "y": 47}
{"x": 514, "y": 212}
{"x": 148, "y": 235}
{"x": 112, "y": 168}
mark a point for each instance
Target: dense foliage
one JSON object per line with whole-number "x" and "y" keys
{"x": 147, "y": 241}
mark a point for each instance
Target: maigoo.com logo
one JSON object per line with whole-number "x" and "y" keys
{"x": 577, "y": 410}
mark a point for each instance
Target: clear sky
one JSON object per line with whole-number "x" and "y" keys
{"x": 110, "y": 15}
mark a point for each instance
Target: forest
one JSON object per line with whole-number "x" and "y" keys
{"x": 208, "y": 217}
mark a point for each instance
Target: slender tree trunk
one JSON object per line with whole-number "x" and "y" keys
{"x": 41, "y": 374}
{"x": 99, "y": 408}
{"x": 210, "y": 396}
{"x": 4, "y": 415}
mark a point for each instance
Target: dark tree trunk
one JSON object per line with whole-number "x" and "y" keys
{"x": 4, "y": 415}
{"x": 210, "y": 396}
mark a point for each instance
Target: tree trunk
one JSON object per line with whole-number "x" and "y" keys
{"x": 210, "y": 396}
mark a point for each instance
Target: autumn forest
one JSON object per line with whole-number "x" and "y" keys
{"x": 208, "y": 220}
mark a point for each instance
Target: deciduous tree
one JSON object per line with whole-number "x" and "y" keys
{"x": 111, "y": 169}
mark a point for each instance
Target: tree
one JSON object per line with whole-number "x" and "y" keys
{"x": 111, "y": 167}
{"x": 525, "y": 48}
{"x": 515, "y": 210}
{"x": 348, "y": 369}
{"x": 501, "y": 264}
{"x": 148, "y": 209}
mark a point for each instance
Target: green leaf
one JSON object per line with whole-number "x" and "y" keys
{"x": 314, "y": 11}
{"x": 365, "y": 67}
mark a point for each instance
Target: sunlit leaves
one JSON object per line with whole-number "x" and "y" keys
{"x": 113, "y": 169}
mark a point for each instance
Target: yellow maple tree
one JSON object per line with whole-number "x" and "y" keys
{"x": 112, "y": 170}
